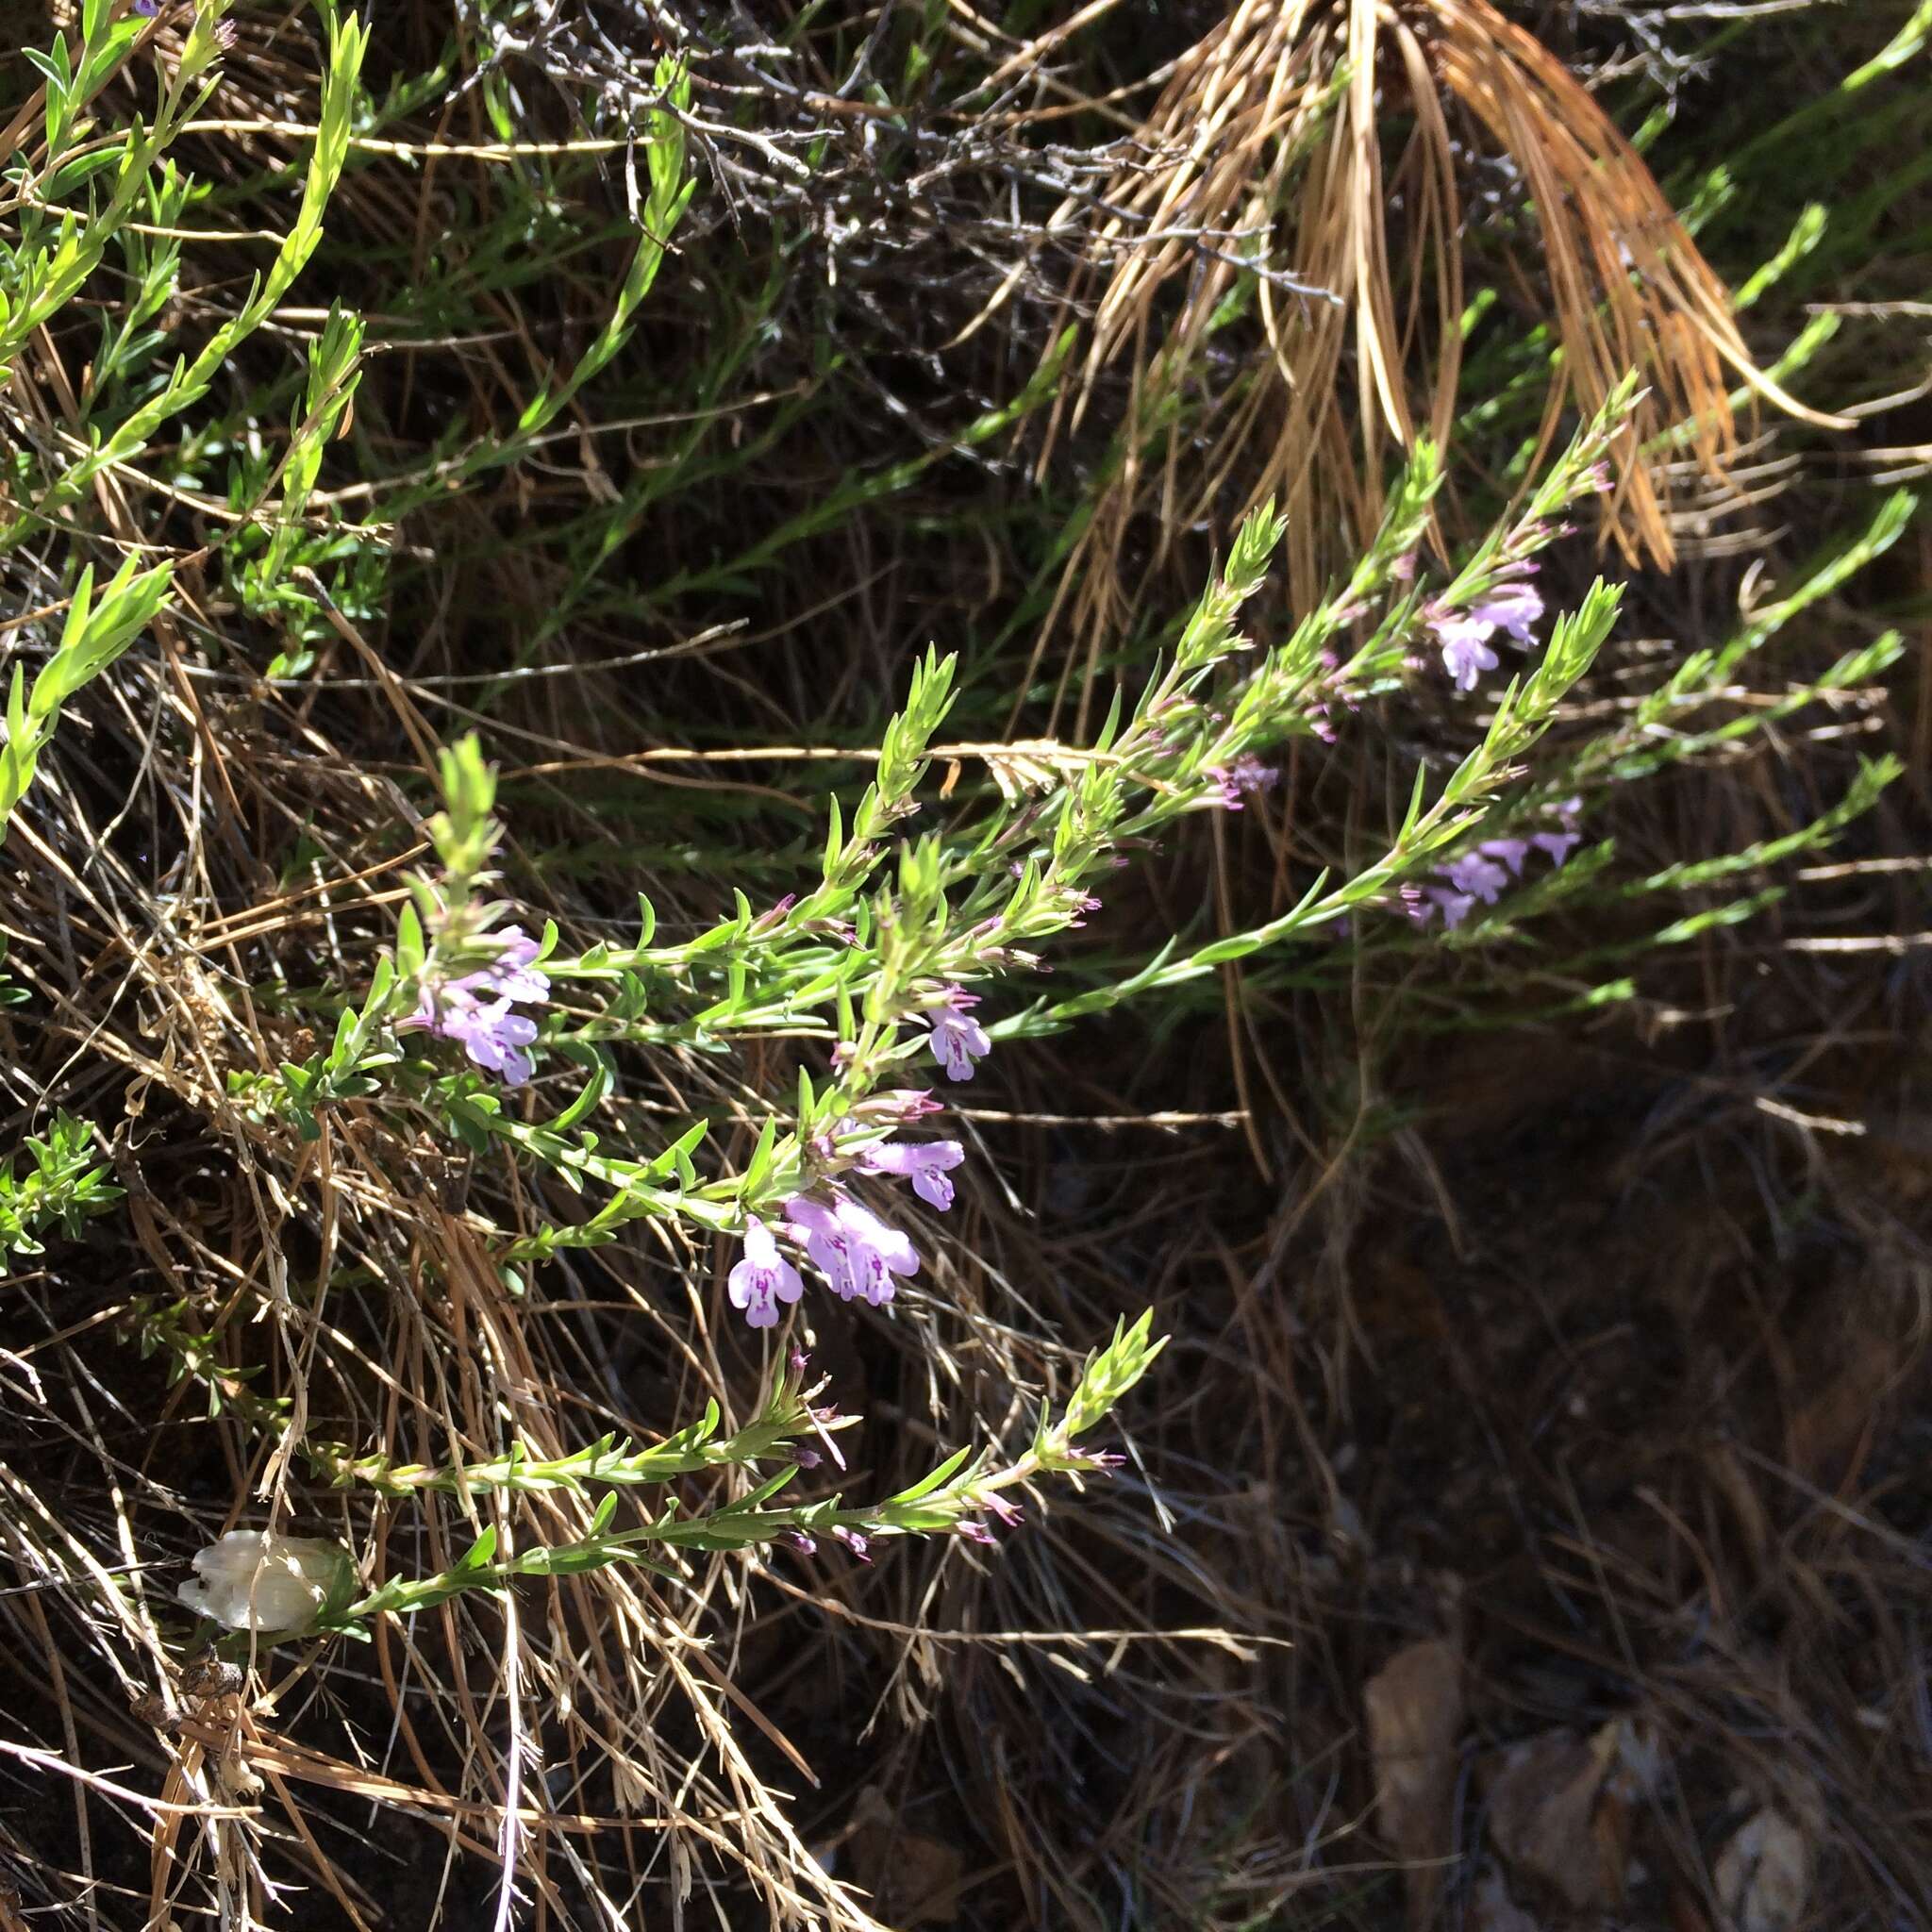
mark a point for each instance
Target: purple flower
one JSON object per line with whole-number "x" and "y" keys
{"x": 853, "y": 1542}
{"x": 1481, "y": 878}
{"x": 763, "y": 1279}
{"x": 851, "y": 1246}
{"x": 958, "y": 1039}
{"x": 493, "y": 1035}
{"x": 976, "y": 1532}
{"x": 510, "y": 978}
{"x": 1465, "y": 652}
{"x": 474, "y": 1008}
{"x": 1512, "y": 852}
{"x": 1511, "y": 607}
{"x": 1558, "y": 844}
{"x": 1246, "y": 775}
{"x": 147, "y": 7}
{"x": 925, "y": 1165}
{"x": 800, "y": 1541}
{"x": 1425, "y": 903}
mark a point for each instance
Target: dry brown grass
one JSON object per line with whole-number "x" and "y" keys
{"x": 1334, "y": 142}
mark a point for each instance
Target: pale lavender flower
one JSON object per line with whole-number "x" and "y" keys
{"x": 1480, "y": 878}
{"x": 1423, "y": 903}
{"x": 853, "y": 1249}
{"x": 148, "y": 9}
{"x": 763, "y": 1278}
{"x": 494, "y": 1037}
{"x": 1558, "y": 844}
{"x": 957, "y": 1038}
{"x": 474, "y": 1008}
{"x": 512, "y": 978}
{"x": 1466, "y": 653}
{"x": 1511, "y": 607}
{"x": 1512, "y": 852}
{"x": 852, "y": 1540}
{"x": 925, "y": 1164}
{"x": 976, "y": 1532}
{"x": 800, "y": 1541}
{"x": 1247, "y": 774}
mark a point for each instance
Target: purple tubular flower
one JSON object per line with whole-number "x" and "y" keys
{"x": 1558, "y": 844}
{"x": 1465, "y": 652}
{"x": 1423, "y": 905}
{"x": 512, "y": 978}
{"x": 1511, "y": 607}
{"x": 853, "y": 1249}
{"x": 1245, "y": 775}
{"x": 474, "y": 1008}
{"x": 1481, "y": 878}
{"x": 493, "y": 1035}
{"x": 763, "y": 1278}
{"x": 1512, "y": 852}
{"x": 925, "y": 1166}
{"x": 957, "y": 1038}
{"x": 853, "y": 1542}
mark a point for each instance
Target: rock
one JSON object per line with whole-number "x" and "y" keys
{"x": 1414, "y": 1708}
{"x": 1764, "y": 1875}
